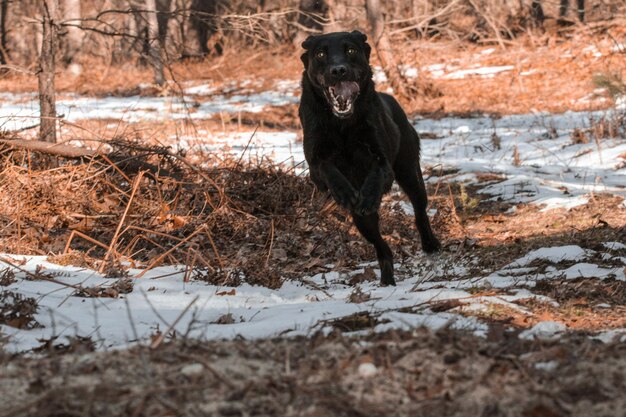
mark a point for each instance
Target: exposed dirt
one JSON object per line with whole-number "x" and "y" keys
{"x": 397, "y": 373}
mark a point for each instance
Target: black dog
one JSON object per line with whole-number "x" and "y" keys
{"x": 356, "y": 140}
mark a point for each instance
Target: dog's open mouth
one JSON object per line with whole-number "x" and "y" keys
{"x": 341, "y": 97}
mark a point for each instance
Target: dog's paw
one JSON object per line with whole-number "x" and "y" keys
{"x": 431, "y": 246}
{"x": 345, "y": 196}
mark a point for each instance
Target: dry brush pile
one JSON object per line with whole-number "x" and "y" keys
{"x": 145, "y": 206}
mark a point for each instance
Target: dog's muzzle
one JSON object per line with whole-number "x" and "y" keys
{"x": 342, "y": 96}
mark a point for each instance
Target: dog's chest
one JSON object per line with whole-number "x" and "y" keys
{"x": 355, "y": 160}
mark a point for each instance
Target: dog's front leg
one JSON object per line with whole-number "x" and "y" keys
{"x": 340, "y": 188}
{"x": 377, "y": 181}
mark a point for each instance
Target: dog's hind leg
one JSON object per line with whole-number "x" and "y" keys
{"x": 411, "y": 181}
{"x": 368, "y": 226}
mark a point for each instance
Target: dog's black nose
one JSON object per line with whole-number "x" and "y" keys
{"x": 339, "y": 71}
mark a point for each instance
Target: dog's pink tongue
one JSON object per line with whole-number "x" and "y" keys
{"x": 346, "y": 89}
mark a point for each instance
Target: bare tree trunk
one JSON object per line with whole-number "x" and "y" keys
{"x": 536, "y": 11}
{"x": 4, "y": 54}
{"x": 334, "y": 17}
{"x": 421, "y": 8}
{"x": 203, "y": 24}
{"x": 311, "y": 12}
{"x": 156, "y": 57}
{"x": 580, "y": 9}
{"x": 197, "y": 31}
{"x": 47, "y": 107}
{"x": 309, "y": 9}
{"x": 383, "y": 48}
{"x": 74, "y": 36}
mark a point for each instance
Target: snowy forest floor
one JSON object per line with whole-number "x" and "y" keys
{"x": 211, "y": 274}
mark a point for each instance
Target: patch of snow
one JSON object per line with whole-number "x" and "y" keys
{"x": 380, "y": 77}
{"x": 192, "y": 369}
{"x": 544, "y": 331}
{"x": 21, "y": 110}
{"x": 593, "y": 50}
{"x": 436, "y": 70}
{"x": 619, "y": 48}
{"x": 410, "y": 72}
{"x": 550, "y": 203}
{"x": 201, "y": 90}
{"x": 549, "y": 366}
{"x": 250, "y": 146}
{"x": 611, "y": 336}
{"x": 553, "y": 254}
{"x": 550, "y": 169}
{"x": 614, "y": 245}
{"x": 407, "y": 321}
{"x": 367, "y": 370}
{"x": 586, "y": 270}
{"x": 161, "y": 295}
{"x": 485, "y": 72}
{"x": 297, "y": 308}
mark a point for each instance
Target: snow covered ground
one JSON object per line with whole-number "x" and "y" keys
{"x": 159, "y": 300}
{"x": 529, "y": 158}
{"x": 534, "y": 154}
{"x": 21, "y": 110}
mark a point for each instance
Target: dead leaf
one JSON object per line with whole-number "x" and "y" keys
{"x": 446, "y": 305}
{"x": 357, "y": 296}
{"x": 10, "y": 260}
{"x": 178, "y": 221}
{"x": 225, "y": 319}
{"x": 368, "y": 274}
{"x": 230, "y": 292}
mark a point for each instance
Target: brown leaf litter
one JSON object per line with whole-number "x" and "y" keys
{"x": 416, "y": 373}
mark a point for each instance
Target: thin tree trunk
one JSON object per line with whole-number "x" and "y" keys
{"x": 154, "y": 43}
{"x": 383, "y": 48}
{"x": 74, "y": 36}
{"x": 581, "y": 9}
{"x": 4, "y": 54}
{"x": 333, "y": 16}
{"x": 47, "y": 107}
{"x": 421, "y": 8}
{"x": 536, "y": 11}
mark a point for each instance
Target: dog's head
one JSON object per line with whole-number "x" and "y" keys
{"x": 337, "y": 64}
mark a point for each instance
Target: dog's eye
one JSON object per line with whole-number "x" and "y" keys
{"x": 320, "y": 54}
{"x": 351, "y": 51}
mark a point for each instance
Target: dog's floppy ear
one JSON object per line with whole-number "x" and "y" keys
{"x": 362, "y": 37}
{"x": 306, "y": 45}
{"x": 308, "y": 42}
{"x": 359, "y": 35}
{"x": 305, "y": 59}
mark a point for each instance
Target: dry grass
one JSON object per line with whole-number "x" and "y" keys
{"x": 234, "y": 221}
